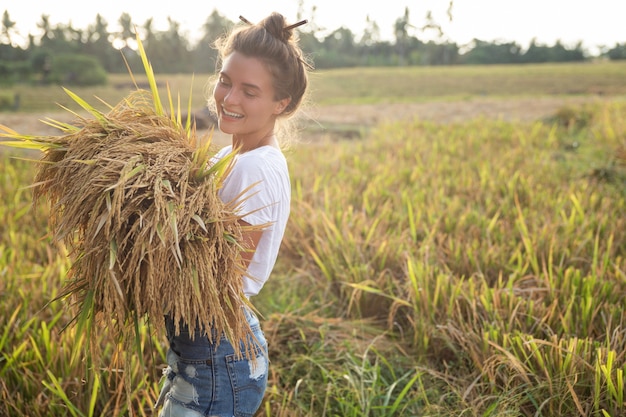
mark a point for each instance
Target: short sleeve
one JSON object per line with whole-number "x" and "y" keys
{"x": 250, "y": 177}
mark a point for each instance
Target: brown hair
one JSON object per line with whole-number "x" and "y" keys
{"x": 276, "y": 44}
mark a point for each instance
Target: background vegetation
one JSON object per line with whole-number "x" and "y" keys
{"x": 462, "y": 269}
{"x": 40, "y": 59}
{"x": 370, "y": 85}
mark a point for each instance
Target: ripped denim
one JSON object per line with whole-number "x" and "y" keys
{"x": 207, "y": 379}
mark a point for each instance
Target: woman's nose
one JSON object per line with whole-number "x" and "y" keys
{"x": 231, "y": 96}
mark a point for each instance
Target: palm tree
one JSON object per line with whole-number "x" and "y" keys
{"x": 7, "y": 26}
{"x": 44, "y": 25}
{"x": 127, "y": 26}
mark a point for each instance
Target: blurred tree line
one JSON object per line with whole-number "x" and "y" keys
{"x": 83, "y": 56}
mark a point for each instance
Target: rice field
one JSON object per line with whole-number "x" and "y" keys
{"x": 379, "y": 85}
{"x": 474, "y": 268}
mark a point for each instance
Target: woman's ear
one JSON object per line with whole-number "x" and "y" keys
{"x": 281, "y": 105}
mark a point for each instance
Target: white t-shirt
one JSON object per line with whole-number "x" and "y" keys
{"x": 266, "y": 202}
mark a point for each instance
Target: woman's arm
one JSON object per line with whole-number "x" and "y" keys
{"x": 250, "y": 240}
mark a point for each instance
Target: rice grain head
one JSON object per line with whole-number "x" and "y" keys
{"x": 131, "y": 195}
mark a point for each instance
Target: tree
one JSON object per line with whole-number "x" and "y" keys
{"x": 483, "y": 52}
{"x": 122, "y": 41}
{"x": 44, "y": 25}
{"x": 340, "y": 40}
{"x": 337, "y": 49}
{"x": 176, "y": 49}
{"x": 557, "y": 53}
{"x": 205, "y": 56}
{"x": 431, "y": 24}
{"x": 370, "y": 38}
{"x": 76, "y": 69}
{"x": 618, "y": 52}
{"x": 127, "y": 29}
{"x": 169, "y": 51}
{"x": 401, "y": 32}
{"x": 371, "y": 34}
{"x": 7, "y": 27}
{"x": 149, "y": 36}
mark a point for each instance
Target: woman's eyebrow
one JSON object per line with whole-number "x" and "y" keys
{"x": 253, "y": 86}
{"x": 247, "y": 85}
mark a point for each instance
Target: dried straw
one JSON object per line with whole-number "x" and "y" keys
{"x": 131, "y": 196}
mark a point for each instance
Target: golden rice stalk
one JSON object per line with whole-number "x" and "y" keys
{"x": 133, "y": 196}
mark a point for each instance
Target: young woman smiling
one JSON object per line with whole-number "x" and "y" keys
{"x": 261, "y": 80}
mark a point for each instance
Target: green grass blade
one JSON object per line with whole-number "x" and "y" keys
{"x": 65, "y": 127}
{"x": 158, "y": 106}
{"x": 27, "y": 144}
{"x": 94, "y": 394}
{"x": 56, "y": 388}
{"x": 92, "y": 110}
{"x": 399, "y": 400}
{"x": 189, "y": 107}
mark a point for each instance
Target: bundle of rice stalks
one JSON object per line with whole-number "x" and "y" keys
{"x": 134, "y": 196}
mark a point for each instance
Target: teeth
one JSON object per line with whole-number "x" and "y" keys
{"x": 229, "y": 114}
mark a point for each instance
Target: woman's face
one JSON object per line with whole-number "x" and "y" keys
{"x": 244, "y": 97}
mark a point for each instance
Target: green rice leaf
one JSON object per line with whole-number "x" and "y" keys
{"x": 158, "y": 107}
{"x": 27, "y": 144}
{"x": 201, "y": 156}
{"x": 116, "y": 284}
{"x": 10, "y": 132}
{"x": 220, "y": 168}
{"x": 112, "y": 253}
{"x": 92, "y": 110}
{"x": 137, "y": 340}
{"x": 65, "y": 127}
{"x": 57, "y": 389}
{"x": 230, "y": 238}
{"x": 159, "y": 232}
{"x": 101, "y": 222}
{"x": 139, "y": 168}
{"x": 174, "y": 114}
{"x": 199, "y": 220}
{"x": 84, "y": 320}
{"x": 168, "y": 185}
{"x": 188, "y": 121}
{"x": 37, "y": 161}
{"x": 107, "y": 197}
{"x": 94, "y": 394}
{"x": 396, "y": 404}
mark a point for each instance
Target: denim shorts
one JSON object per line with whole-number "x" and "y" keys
{"x": 207, "y": 379}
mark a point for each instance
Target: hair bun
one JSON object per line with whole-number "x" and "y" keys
{"x": 275, "y": 25}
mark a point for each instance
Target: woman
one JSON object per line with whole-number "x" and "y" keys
{"x": 262, "y": 79}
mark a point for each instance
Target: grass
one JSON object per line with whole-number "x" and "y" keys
{"x": 415, "y": 84}
{"x": 469, "y": 269}
{"x": 382, "y": 85}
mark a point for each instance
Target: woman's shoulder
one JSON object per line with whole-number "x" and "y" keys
{"x": 263, "y": 156}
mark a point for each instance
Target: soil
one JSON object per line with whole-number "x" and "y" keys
{"x": 346, "y": 121}
{"x": 510, "y": 109}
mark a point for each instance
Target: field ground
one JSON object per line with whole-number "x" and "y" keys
{"x": 346, "y": 120}
{"x": 510, "y": 109}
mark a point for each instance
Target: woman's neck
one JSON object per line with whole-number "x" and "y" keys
{"x": 248, "y": 144}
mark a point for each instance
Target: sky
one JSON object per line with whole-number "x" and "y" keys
{"x": 594, "y": 23}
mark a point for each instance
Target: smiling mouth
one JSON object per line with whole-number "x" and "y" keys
{"x": 233, "y": 115}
